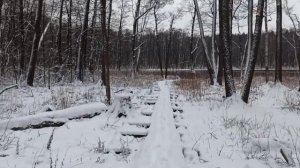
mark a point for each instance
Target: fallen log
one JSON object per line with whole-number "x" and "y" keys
{"x": 7, "y": 88}
{"x": 54, "y": 118}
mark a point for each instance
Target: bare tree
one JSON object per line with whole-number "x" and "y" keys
{"x": 192, "y": 48}
{"x": 210, "y": 62}
{"x": 35, "y": 45}
{"x": 106, "y": 49}
{"x": 137, "y": 16}
{"x": 278, "y": 60}
{"x": 59, "y": 35}
{"x": 296, "y": 35}
{"x": 250, "y": 34}
{"x": 22, "y": 35}
{"x": 69, "y": 36}
{"x": 225, "y": 46}
{"x": 83, "y": 43}
{"x": 123, "y": 5}
{"x": 254, "y": 51}
{"x": 158, "y": 49}
{"x": 266, "y": 42}
{"x": 93, "y": 48}
{"x": 169, "y": 45}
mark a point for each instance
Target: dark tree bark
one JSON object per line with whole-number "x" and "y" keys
{"x": 220, "y": 70}
{"x": 69, "y": 36}
{"x": 83, "y": 43}
{"x": 22, "y": 34}
{"x": 266, "y": 42}
{"x": 120, "y": 36}
{"x": 1, "y": 4}
{"x": 93, "y": 41}
{"x": 169, "y": 46}
{"x": 158, "y": 49}
{"x": 35, "y": 45}
{"x": 278, "y": 58}
{"x": 107, "y": 48}
{"x": 58, "y": 38}
{"x": 254, "y": 51}
{"x": 225, "y": 46}
{"x": 2, "y": 67}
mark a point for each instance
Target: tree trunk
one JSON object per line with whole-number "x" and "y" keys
{"x": 106, "y": 49}
{"x": 278, "y": 61}
{"x": 1, "y": 41}
{"x": 83, "y": 43}
{"x": 210, "y": 63}
{"x": 58, "y": 38}
{"x": 22, "y": 34}
{"x": 192, "y": 50}
{"x": 266, "y": 42}
{"x": 36, "y": 39}
{"x": 254, "y": 51}
{"x": 120, "y": 36}
{"x": 91, "y": 63}
{"x": 133, "y": 41}
{"x": 158, "y": 49}
{"x": 250, "y": 34}
{"x": 169, "y": 46}
{"x": 1, "y": 4}
{"x": 225, "y": 47}
{"x": 213, "y": 41}
{"x": 69, "y": 37}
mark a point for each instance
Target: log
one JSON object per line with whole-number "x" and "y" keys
{"x": 7, "y": 88}
{"x": 54, "y": 118}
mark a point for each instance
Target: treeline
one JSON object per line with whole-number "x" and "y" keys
{"x": 12, "y": 60}
{"x": 67, "y": 40}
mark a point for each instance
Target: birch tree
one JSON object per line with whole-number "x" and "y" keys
{"x": 254, "y": 51}
{"x": 250, "y": 33}
{"x": 209, "y": 57}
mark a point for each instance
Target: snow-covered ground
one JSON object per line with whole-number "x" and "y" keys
{"x": 160, "y": 126}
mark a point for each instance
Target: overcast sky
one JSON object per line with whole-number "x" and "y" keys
{"x": 185, "y": 21}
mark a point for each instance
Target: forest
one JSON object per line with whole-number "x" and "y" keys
{"x": 149, "y": 83}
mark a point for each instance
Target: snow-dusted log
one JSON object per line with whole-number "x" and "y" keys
{"x": 55, "y": 118}
{"x": 7, "y": 88}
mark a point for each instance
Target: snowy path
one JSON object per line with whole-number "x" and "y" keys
{"x": 162, "y": 147}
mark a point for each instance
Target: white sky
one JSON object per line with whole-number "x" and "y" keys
{"x": 185, "y": 21}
